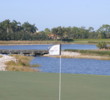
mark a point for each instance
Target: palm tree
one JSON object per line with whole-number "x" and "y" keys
{"x": 27, "y": 27}
{"x": 6, "y": 25}
{"x": 16, "y": 26}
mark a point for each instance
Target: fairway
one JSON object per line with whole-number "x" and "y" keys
{"x": 44, "y": 86}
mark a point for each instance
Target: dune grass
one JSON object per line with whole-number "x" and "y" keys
{"x": 22, "y": 63}
{"x": 44, "y": 86}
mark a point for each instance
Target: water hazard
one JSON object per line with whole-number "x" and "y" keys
{"x": 73, "y": 65}
{"x": 69, "y": 65}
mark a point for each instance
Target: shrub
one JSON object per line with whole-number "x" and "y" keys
{"x": 102, "y": 45}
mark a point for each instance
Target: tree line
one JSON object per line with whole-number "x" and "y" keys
{"x": 13, "y": 30}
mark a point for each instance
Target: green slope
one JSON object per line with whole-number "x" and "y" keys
{"x": 44, "y": 86}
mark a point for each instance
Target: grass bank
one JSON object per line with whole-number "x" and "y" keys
{"x": 91, "y": 41}
{"x": 44, "y": 86}
{"x": 94, "y": 54}
{"x": 91, "y": 52}
{"x": 29, "y": 42}
{"x": 76, "y": 41}
{"x": 22, "y": 64}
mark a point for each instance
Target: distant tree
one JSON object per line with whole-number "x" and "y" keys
{"x": 41, "y": 36}
{"x": 58, "y": 31}
{"x": 13, "y": 30}
{"x": 105, "y": 29}
{"x": 16, "y": 26}
{"x": 27, "y": 27}
{"x": 91, "y": 29}
{"x": 47, "y": 31}
{"x": 6, "y": 25}
{"x": 101, "y": 35}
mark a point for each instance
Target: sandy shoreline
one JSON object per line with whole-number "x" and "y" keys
{"x": 64, "y": 54}
{"x": 3, "y": 60}
{"x": 68, "y": 54}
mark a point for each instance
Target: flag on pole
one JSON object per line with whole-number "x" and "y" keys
{"x": 55, "y": 50}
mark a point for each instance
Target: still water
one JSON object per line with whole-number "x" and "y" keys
{"x": 73, "y": 65}
{"x": 45, "y": 47}
{"x": 69, "y": 65}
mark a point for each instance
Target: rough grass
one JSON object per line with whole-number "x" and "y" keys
{"x": 91, "y": 41}
{"x": 91, "y": 52}
{"x": 79, "y": 41}
{"x": 28, "y": 42}
{"x": 21, "y": 64}
{"x": 44, "y": 86}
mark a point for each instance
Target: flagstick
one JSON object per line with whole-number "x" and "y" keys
{"x": 56, "y": 50}
{"x": 60, "y": 80}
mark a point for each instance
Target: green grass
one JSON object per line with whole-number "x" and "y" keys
{"x": 30, "y": 42}
{"x": 79, "y": 41}
{"x": 44, "y": 86}
{"x": 91, "y": 41}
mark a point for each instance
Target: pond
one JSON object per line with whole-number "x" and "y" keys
{"x": 45, "y": 47}
{"x": 69, "y": 65}
{"x": 73, "y": 65}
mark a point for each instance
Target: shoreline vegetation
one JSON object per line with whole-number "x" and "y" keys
{"x": 86, "y": 54}
{"x": 74, "y": 41}
{"x": 29, "y": 42}
{"x": 21, "y": 63}
{"x": 17, "y": 63}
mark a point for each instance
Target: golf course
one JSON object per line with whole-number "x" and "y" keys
{"x": 44, "y": 86}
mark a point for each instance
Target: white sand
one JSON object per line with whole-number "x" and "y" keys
{"x": 65, "y": 53}
{"x": 3, "y": 60}
{"x": 68, "y": 54}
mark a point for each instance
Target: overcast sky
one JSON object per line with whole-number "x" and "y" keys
{"x": 53, "y": 13}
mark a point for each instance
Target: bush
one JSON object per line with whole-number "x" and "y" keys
{"x": 102, "y": 45}
{"x": 67, "y": 40}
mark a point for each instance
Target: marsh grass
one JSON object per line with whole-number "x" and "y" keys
{"x": 21, "y": 64}
{"x": 91, "y": 52}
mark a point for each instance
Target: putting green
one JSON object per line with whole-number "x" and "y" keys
{"x": 44, "y": 86}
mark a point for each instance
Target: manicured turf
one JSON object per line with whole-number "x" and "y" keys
{"x": 44, "y": 86}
